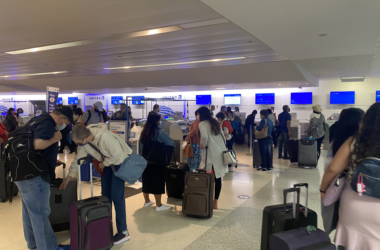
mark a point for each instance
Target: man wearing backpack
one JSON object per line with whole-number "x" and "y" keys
{"x": 93, "y": 116}
{"x": 227, "y": 130}
{"x": 34, "y": 184}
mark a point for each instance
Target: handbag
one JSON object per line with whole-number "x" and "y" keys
{"x": 335, "y": 189}
{"x": 189, "y": 151}
{"x": 96, "y": 162}
{"x": 229, "y": 157}
{"x": 263, "y": 133}
{"x": 366, "y": 177}
{"x": 131, "y": 169}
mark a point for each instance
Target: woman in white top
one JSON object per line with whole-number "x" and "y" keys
{"x": 227, "y": 131}
{"x": 212, "y": 144}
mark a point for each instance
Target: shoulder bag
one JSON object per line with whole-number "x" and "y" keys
{"x": 263, "y": 133}
{"x": 229, "y": 156}
{"x": 366, "y": 177}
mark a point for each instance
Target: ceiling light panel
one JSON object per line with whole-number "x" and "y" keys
{"x": 204, "y": 23}
{"x": 180, "y": 63}
{"x": 98, "y": 40}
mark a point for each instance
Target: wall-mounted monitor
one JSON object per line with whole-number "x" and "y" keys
{"x": 232, "y": 99}
{"x": 138, "y": 100}
{"x": 203, "y": 99}
{"x": 267, "y": 98}
{"x": 301, "y": 98}
{"x": 343, "y": 97}
{"x": 378, "y": 96}
{"x": 73, "y": 100}
{"x": 116, "y": 100}
{"x": 59, "y": 100}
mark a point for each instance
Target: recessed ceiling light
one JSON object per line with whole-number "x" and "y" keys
{"x": 37, "y": 74}
{"x": 99, "y": 40}
{"x": 322, "y": 34}
{"x": 280, "y": 84}
{"x": 216, "y": 60}
{"x": 220, "y": 88}
{"x": 307, "y": 83}
{"x": 180, "y": 63}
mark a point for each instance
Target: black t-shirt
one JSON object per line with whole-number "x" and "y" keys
{"x": 45, "y": 130}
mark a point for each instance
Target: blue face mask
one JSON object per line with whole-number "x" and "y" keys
{"x": 82, "y": 144}
{"x": 61, "y": 127}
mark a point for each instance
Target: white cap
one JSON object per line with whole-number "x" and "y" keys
{"x": 99, "y": 105}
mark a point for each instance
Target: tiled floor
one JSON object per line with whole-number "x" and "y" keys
{"x": 236, "y": 225}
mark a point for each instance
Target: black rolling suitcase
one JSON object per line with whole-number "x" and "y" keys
{"x": 175, "y": 179}
{"x": 60, "y": 202}
{"x": 5, "y": 183}
{"x": 292, "y": 147}
{"x": 256, "y": 154}
{"x": 275, "y": 220}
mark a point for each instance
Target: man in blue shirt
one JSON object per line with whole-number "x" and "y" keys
{"x": 265, "y": 144}
{"x": 284, "y": 122}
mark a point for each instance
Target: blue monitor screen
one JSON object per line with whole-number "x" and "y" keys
{"x": 59, "y": 101}
{"x": 116, "y": 99}
{"x": 301, "y": 98}
{"x": 232, "y": 99}
{"x": 345, "y": 97}
{"x": 73, "y": 100}
{"x": 265, "y": 98}
{"x": 203, "y": 99}
{"x": 137, "y": 100}
{"x": 378, "y": 96}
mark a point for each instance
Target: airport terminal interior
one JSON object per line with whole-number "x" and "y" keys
{"x": 304, "y": 58}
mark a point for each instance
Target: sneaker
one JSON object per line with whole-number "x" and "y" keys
{"x": 121, "y": 237}
{"x": 150, "y": 203}
{"x": 162, "y": 208}
{"x": 259, "y": 168}
{"x": 280, "y": 157}
{"x": 269, "y": 170}
{"x": 230, "y": 169}
{"x": 264, "y": 169}
{"x": 286, "y": 158}
{"x": 62, "y": 247}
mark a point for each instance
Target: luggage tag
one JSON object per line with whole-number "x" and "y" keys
{"x": 360, "y": 186}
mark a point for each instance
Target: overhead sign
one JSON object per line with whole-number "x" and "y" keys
{"x": 51, "y": 98}
{"x": 91, "y": 99}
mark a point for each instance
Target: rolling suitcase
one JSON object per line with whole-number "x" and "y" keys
{"x": 256, "y": 154}
{"x": 292, "y": 147}
{"x": 275, "y": 220}
{"x": 175, "y": 179}
{"x": 5, "y": 183}
{"x": 90, "y": 220}
{"x": 198, "y": 195}
{"x": 307, "y": 153}
{"x": 60, "y": 203}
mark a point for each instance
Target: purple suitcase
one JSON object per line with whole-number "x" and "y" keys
{"x": 90, "y": 221}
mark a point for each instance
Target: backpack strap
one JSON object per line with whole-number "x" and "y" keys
{"x": 89, "y": 117}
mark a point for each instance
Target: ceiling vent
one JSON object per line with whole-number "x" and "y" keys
{"x": 352, "y": 79}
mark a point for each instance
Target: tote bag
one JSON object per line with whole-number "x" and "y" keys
{"x": 263, "y": 133}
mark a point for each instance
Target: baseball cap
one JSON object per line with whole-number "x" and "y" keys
{"x": 99, "y": 105}
{"x": 66, "y": 111}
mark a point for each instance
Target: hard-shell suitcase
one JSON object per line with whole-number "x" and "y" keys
{"x": 175, "y": 179}
{"x": 304, "y": 238}
{"x": 60, "y": 202}
{"x": 90, "y": 221}
{"x": 275, "y": 220}
{"x": 5, "y": 183}
{"x": 307, "y": 153}
{"x": 292, "y": 147}
{"x": 256, "y": 154}
{"x": 198, "y": 196}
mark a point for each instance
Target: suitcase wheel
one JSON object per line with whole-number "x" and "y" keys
{"x": 3, "y": 200}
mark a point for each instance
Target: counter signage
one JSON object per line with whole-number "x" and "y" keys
{"x": 176, "y": 97}
{"x": 51, "y": 98}
{"x": 118, "y": 128}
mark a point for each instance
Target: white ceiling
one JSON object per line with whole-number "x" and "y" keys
{"x": 266, "y": 35}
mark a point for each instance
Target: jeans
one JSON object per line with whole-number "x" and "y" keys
{"x": 319, "y": 144}
{"x": 265, "y": 152}
{"x": 230, "y": 144}
{"x": 35, "y": 196}
{"x": 283, "y": 139}
{"x": 113, "y": 187}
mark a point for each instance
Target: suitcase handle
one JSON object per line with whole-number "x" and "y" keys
{"x": 79, "y": 176}
{"x": 307, "y": 195}
{"x": 296, "y": 205}
{"x": 63, "y": 168}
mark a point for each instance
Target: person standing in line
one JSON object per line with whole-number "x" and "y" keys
{"x": 223, "y": 109}
{"x": 230, "y": 115}
{"x": 93, "y": 116}
{"x": 250, "y": 121}
{"x": 35, "y": 192}
{"x": 274, "y": 114}
{"x": 194, "y": 140}
{"x": 265, "y": 144}
{"x": 156, "y": 109}
{"x": 274, "y": 136}
{"x": 153, "y": 177}
{"x": 212, "y": 145}
{"x": 316, "y": 127}
{"x": 358, "y": 221}
{"x": 10, "y": 121}
{"x": 212, "y": 109}
{"x": 284, "y": 123}
{"x": 78, "y": 114}
{"x": 97, "y": 138}
{"x": 226, "y": 127}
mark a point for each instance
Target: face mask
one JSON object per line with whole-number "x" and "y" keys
{"x": 160, "y": 126}
{"x": 80, "y": 144}
{"x": 61, "y": 127}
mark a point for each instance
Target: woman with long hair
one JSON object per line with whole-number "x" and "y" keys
{"x": 212, "y": 143}
{"x": 227, "y": 130}
{"x": 194, "y": 140}
{"x": 358, "y": 224}
{"x": 10, "y": 121}
{"x": 154, "y": 142}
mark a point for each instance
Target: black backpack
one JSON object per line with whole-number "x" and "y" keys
{"x": 22, "y": 161}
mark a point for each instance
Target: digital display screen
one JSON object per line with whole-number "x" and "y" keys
{"x": 203, "y": 99}
{"x": 116, "y": 100}
{"x": 265, "y": 98}
{"x": 345, "y": 97}
{"x": 59, "y": 100}
{"x": 301, "y": 98}
{"x": 232, "y": 99}
{"x": 378, "y": 96}
{"x": 73, "y": 100}
{"x": 137, "y": 100}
